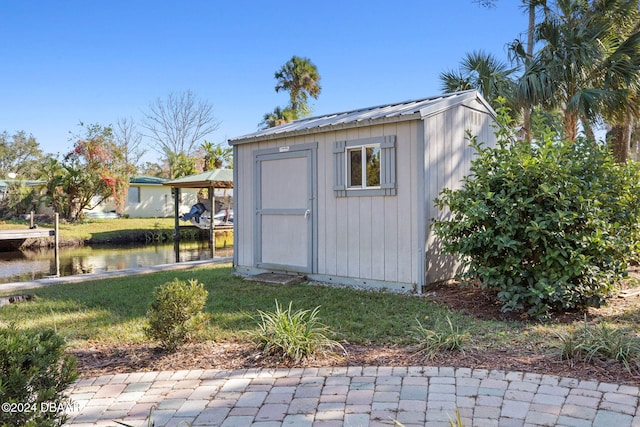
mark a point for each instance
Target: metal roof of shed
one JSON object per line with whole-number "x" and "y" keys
{"x": 407, "y": 110}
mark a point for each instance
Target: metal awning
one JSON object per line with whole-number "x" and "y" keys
{"x": 216, "y": 178}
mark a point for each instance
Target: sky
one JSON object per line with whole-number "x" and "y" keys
{"x": 97, "y": 61}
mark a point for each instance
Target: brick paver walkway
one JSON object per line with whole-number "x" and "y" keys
{"x": 350, "y": 396}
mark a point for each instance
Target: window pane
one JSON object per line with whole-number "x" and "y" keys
{"x": 355, "y": 168}
{"x": 373, "y": 166}
{"x": 134, "y": 195}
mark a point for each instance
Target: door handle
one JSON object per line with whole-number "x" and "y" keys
{"x": 307, "y": 214}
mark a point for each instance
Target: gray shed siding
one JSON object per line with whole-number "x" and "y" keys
{"x": 354, "y": 238}
{"x": 447, "y": 159}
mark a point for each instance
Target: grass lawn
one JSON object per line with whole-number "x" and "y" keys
{"x": 113, "y": 311}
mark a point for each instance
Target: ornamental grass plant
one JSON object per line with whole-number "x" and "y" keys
{"x": 293, "y": 335}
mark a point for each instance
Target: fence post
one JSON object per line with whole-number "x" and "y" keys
{"x": 56, "y": 239}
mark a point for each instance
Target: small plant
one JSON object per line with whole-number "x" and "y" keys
{"x": 34, "y": 374}
{"x": 457, "y": 422}
{"x": 293, "y": 335}
{"x": 176, "y": 313}
{"x": 602, "y": 341}
{"x": 570, "y": 344}
{"x": 440, "y": 338}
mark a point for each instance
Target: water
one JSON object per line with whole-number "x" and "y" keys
{"x": 20, "y": 266}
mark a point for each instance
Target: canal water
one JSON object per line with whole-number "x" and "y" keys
{"x": 20, "y": 266}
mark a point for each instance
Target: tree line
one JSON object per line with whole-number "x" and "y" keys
{"x": 104, "y": 158}
{"x": 578, "y": 64}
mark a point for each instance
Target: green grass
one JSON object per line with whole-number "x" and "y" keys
{"x": 114, "y": 310}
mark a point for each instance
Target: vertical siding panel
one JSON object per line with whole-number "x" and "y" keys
{"x": 245, "y": 224}
{"x": 331, "y": 210}
{"x": 341, "y": 219}
{"x": 353, "y": 237}
{"x": 409, "y": 132}
{"x": 390, "y": 246}
{"x": 378, "y": 220}
{"x": 352, "y": 220}
{"x": 321, "y": 206}
{"x": 365, "y": 242}
{"x": 405, "y": 204}
{"x": 436, "y": 139}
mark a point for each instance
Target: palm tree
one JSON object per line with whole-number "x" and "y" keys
{"x": 215, "y": 156}
{"x": 277, "y": 117}
{"x": 484, "y": 72}
{"x": 300, "y": 77}
{"x": 583, "y": 65}
{"x": 624, "y": 121}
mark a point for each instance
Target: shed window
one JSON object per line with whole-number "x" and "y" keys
{"x": 133, "y": 196}
{"x": 365, "y": 167}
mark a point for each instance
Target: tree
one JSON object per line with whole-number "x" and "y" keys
{"x": 522, "y": 53}
{"x": 484, "y": 72}
{"x": 90, "y": 173}
{"x": 216, "y": 156}
{"x": 300, "y": 77}
{"x": 278, "y": 116}
{"x": 178, "y": 124}
{"x": 153, "y": 169}
{"x": 20, "y": 154}
{"x": 181, "y": 165}
{"x": 585, "y": 68}
{"x": 127, "y": 137}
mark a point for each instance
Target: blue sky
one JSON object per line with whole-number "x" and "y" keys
{"x": 99, "y": 60}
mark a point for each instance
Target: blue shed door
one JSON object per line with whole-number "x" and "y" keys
{"x": 285, "y": 213}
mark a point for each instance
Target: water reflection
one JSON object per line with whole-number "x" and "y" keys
{"x": 29, "y": 265}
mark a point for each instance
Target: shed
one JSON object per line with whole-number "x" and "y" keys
{"x": 348, "y": 197}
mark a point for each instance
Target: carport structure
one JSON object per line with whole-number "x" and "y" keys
{"x": 216, "y": 178}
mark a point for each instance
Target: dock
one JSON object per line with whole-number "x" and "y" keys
{"x": 18, "y": 234}
{"x": 12, "y": 239}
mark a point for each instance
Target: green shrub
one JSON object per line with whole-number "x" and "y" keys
{"x": 432, "y": 341}
{"x": 34, "y": 374}
{"x": 293, "y": 335}
{"x": 176, "y": 316}
{"x": 551, "y": 225}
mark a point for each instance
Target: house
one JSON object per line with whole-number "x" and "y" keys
{"x": 152, "y": 197}
{"x": 7, "y": 184}
{"x": 348, "y": 197}
{"x": 147, "y": 197}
